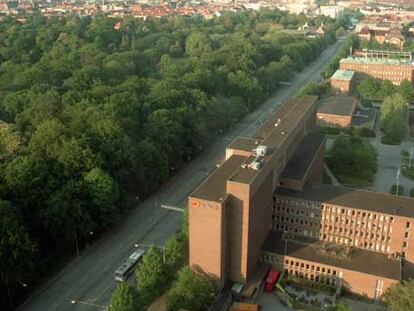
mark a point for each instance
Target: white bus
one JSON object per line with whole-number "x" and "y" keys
{"x": 123, "y": 272}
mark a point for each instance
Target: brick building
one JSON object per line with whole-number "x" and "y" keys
{"x": 391, "y": 36}
{"x": 395, "y": 70}
{"x": 342, "y": 82}
{"x": 265, "y": 204}
{"x": 336, "y": 111}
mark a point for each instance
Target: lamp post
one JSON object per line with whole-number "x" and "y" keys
{"x": 398, "y": 180}
{"x": 87, "y": 303}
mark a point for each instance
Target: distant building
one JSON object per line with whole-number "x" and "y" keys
{"x": 336, "y": 111}
{"x": 342, "y": 82}
{"x": 380, "y": 65}
{"x": 332, "y": 11}
{"x": 392, "y": 36}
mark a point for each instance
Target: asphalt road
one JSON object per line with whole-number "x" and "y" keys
{"x": 90, "y": 277}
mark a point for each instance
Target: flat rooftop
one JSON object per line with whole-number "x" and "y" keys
{"x": 379, "y": 202}
{"x": 343, "y": 74}
{"x": 213, "y": 188}
{"x": 244, "y": 143}
{"x": 375, "y": 61}
{"x": 277, "y": 128}
{"x": 272, "y": 134}
{"x": 359, "y": 260}
{"x": 303, "y": 157}
{"x": 338, "y": 105}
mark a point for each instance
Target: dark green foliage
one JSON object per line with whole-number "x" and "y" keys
{"x": 89, "y": 113}
{"x": 17, "y": 247}
{"x": 160, "y": 266}
{"x": 309, "y": 89}
{"x": 352, "y": 161}
{"x": 400, "y": 297}
{"x": 151, "y": 276}
{"x": 369, "y": 88}
{"x": 190, "y": 292}
{"x": 125, "y": 298}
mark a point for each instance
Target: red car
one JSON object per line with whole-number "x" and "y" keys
{"x": 271, "y": 280}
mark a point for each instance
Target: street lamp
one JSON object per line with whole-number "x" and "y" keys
{"x": 103, "y": 307}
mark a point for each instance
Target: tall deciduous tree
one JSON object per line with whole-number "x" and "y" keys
{"x": 190, "y": 292}
{"x": 125, "y": 298}
{"x": 400, "y": 297}
{"x": 151, "y": 275}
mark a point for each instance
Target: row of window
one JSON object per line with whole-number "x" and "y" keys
{"x": 375, "y": 245}
{"x": 303, "y": 270}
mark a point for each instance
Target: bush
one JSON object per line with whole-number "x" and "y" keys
{"x": 412, "y": 192}
{"x": 393, "y": 190}
{"x": 309, "y": 89}
{"x": 363, "y": 132}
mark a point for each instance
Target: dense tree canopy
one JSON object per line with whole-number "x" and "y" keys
{"x": 89, "y": 112}
{"x": 351, "y": 160}
{"x": 393, "y": 119}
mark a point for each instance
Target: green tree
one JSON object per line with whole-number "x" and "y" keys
{"x": 400, "y": 297}
{"x": 351, "y": 160}
{"x": 406, "y": 89}
{"x": 393, "y": 119}
{"x": 18, "y": 250}
{"x": 176, "y": 252}
{"x": 309, "y": 89}
{"x": 151, "y": 275}
{"x": 10, "y": 141}
{"x": 190, "y": 292}
{"x": 125, "y": 298}
{"x": 197, "y": 44}
{"x": 104, "y": 193}
{"x": 369, "y": 88}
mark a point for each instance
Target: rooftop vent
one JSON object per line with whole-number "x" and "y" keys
{"x": 261, "y": 150}
{"x": 255, "y": 165}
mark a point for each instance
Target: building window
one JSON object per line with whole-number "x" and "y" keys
{"x": 404, "y": 244}
{"x": 406, "y": 235}
{"x": 407, "y": 225}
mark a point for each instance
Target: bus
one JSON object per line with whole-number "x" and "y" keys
{"x": 124, "y": 271}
